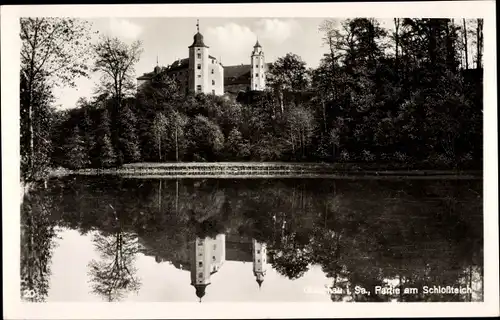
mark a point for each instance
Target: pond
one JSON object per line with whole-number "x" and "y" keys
{"x": 106, "y": 238}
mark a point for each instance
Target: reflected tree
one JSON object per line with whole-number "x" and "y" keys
{"x": 37, "y": 244}
{"x": 114, "y": 275}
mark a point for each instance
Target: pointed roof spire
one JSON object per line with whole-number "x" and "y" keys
{"x": 198, "y": 25}
{"x": 157, "y": 62}
{"x": 257, "y": 44}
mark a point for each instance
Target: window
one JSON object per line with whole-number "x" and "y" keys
{"x": 200, "y": 242}
{"x": 213, "y": 83}
{"x": 199, "y": 76}
{"x": 199, "y": 66}
{"x": 256, "y": 66}
{"x": 199, "y": 55}
{"x": 257, "y": 75}
{"x": 212, "y": 71}
{"x": 213, "y": 91}
{"x": 200, "y": 264}
{"x": 258, "y": 251}
{"x": 200, "y": 275}
{"x": 215, "y": 246}
{"x": 213, "y": 61}
{"x": 198, "y": 88}
{"x": 258, "y": 260}
{"x": 213, "y": 258}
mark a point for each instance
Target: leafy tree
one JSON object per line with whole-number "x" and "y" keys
{"x": 160, "y": 124}
{"x": 113, "y": 276}
{"x": 76, "y": 151}
{"x": 205, "y": 139}
{"x": 236, "y": 147}
{"x": 115, "y": 60}
{"x": 128, "y": 144}
{"x": 53, "y": 52}
{"x": 287, "y": 74}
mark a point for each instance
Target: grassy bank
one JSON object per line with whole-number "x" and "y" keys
{"x": 268, "y": 169}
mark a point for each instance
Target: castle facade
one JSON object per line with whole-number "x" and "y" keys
{"x": 202, "y": 73}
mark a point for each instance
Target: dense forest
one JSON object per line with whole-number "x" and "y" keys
{"x": 409, "y": 95}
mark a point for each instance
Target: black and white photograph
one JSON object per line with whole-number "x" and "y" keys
{"x": 266, "y": 158}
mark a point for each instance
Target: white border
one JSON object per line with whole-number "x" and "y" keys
{"x": 14, "y": 309}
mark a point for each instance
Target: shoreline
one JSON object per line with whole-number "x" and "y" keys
{"x": 266, "y": 170}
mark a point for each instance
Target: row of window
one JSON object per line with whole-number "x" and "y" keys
{"x": 199, "y": 68}
{"x": 198, "y": 89}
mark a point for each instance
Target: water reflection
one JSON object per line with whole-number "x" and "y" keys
{"x": 372, "y": 239}
{"x": 37, "y": 244}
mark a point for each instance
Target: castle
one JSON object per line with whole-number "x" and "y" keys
{"x": 203, "y": 73}
{"x": 204, "y": 257}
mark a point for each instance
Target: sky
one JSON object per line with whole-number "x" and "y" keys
{"x": 229, "y": 39}
{"x": 162, "y": 282}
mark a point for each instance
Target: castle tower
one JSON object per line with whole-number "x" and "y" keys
{"x": 209, "y": 256}
{"x": 258, "y": 79}
{"x": 198, "y": 64}
{"x": 201, "y": 266}
{"x": 259, "y": 253}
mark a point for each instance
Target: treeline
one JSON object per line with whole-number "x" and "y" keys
{"x": 405, "y": 95}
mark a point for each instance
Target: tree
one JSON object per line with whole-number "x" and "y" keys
{"x": 115, "y": 60}
{"x": 479, "y": 43}
{"x": 205, "y": 138}
{"x": 301, "y": 126}
{"x": 113, "y": 275}
{"x": 35, "y": 141}
{"x": 288, "y": 74}
{"x": 178, "y": 123}
{"x": 53, "y": 52}
{"x": 128, "y": 148}
{"x": 77, "y": 153}
{"x": 159, "y": 128}
{"x": 236, "y": 147}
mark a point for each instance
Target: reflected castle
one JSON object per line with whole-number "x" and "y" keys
{"x": 206, "y": 256}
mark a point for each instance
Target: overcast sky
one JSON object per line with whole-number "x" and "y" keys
{"x": 230, "y": 39}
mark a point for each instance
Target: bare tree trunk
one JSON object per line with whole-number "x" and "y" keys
{"x": 479, "y": 43}
{"x": 159, "y": 196}
{"x": 396, "y": 39}
{"x": 176, "y": 144}
{"x": 466, "y": 46}
{"x": 177, "y": 196}
{"x": 324, "y": 114}
{"x": 159, "y": 148}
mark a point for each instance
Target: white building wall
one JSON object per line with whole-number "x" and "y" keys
{"x": 200, "y": 271}
{"x": 216, "y": 77}
{"x": 259, "y": 259}
{"x": 258, "y": 78}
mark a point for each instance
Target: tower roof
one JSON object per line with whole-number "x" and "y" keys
{"x": 257, "y": 44}
{"x": 198, "y": 37}
{"x": 259, "y": 281}
{"x": 198, "y": 41}
{"x": 200, "y": 290}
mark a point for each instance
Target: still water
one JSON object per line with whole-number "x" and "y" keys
{"x": 106, "y": 238}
